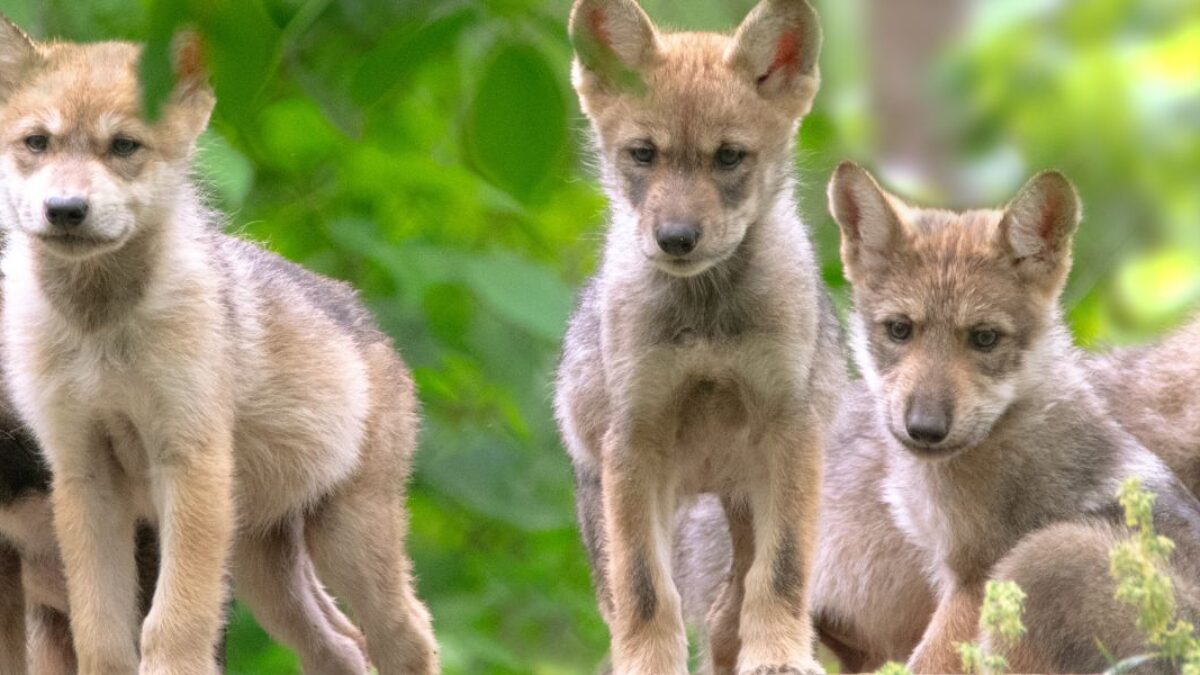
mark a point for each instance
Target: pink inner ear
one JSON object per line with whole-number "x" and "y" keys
{"x": 1050, "y": 207}
{"x": 190, "y": 59}
{"x": 787, "y": 56}
{"x": 597, "y": 26}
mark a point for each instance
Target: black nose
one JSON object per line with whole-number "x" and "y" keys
{"x": 66, "y": 211}
{"x": 677, "y": 238}
{"x": 927, "y": 424}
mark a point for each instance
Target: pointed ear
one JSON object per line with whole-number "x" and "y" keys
{"x": 614, "y": 41}
{"x": 776, "y": 47}
{"x": 18, "y": 55}
{"x": 871, "y": 229}
{"x": 1037, "y": 227}
{"x": 192, "y": 99}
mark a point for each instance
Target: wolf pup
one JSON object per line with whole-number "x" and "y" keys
{"x": 871, "y": 599}
{"x": 249, "y": 408}
{"x": 704, "y": 356}
{"x": 1003, "y": 461}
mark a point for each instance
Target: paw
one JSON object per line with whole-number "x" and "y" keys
{"x": 801, "y": 667}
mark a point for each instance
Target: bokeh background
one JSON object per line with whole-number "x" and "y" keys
{"x": 432, "y": 154}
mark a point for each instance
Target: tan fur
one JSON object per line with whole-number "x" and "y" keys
{"x": 174, "y": 374}
{"x": 711, "y": 371}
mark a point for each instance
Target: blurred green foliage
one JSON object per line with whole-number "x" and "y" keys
{"x": 432, "y": 154}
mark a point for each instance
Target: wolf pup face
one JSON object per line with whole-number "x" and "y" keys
{"x": 695, "y": 130}
{"x": 951, "y": 309}
{"x": 81, "y": 169}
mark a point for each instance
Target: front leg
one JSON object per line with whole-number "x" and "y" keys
{"x": 648, "y": 633}
{"x": 193, "y": 493}
{"x": 94, "y": 523}
{"x": 955, "y": 620}
{"x": 776, "y": 630}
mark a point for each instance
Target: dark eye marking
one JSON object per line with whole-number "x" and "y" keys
{"x": 729, "y": 156}
{"x": 899, "y": 330}
{"x": 643, "y": 153}
{"x": 123, "y": 146}
{"x": 37, "y": 143}
{"x": 983, "y": 339}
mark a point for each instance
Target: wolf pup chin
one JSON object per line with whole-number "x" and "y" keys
{"x": 246, "y": 407}
{"x": 704, "y": 355}
{"x": 1003, "y": 459}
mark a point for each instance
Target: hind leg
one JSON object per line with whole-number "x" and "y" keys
{"x": 1069, "y": 604}
{"x": 333, "y": 614}
{"x": 724, "y": 617}
{"x": 50, "y": 648}
{"x": 357, "y": 542}
{"x": 273, "y": 578}
{"x": 589, "y": 511}
{"x": 12, "y": 613}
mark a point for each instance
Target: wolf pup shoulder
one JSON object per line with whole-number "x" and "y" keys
{"x": 171, "y": 373}
{"x": 1003, "y": 460}
{"x": 704, "y": 356}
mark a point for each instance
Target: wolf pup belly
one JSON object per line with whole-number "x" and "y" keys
{"x": 704, "y": 355}
{"x": 1003, "y": 460}
{"x": 246, "y": 407}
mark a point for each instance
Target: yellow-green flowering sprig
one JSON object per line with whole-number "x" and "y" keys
{"x": 1137, "y": 565}
{"x": 893, "y": 668}
{"x": 999, "y": 619}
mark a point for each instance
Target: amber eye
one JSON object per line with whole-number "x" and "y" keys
{"x": 729, "y": 156}
{"x": 984, "y": 339}
{"x": 899, "y": 330}
{"x": 124, "y": 147}
{"x": 37, "y": 142}
{"x": 643, "y": 153}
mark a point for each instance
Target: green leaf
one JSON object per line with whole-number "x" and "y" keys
{"x": 404, "y": 50}
{"x": 156, "y": 74}
{"x": 243, "y": 45}
{"x": 517, "y": 124}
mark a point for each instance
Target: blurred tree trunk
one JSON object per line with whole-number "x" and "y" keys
{"x": 906, "y": 38}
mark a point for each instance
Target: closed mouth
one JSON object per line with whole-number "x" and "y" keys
{"x": 72, "y": 239}
{"x": 928, "y": 451}
{"x": 683, "y": 267}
